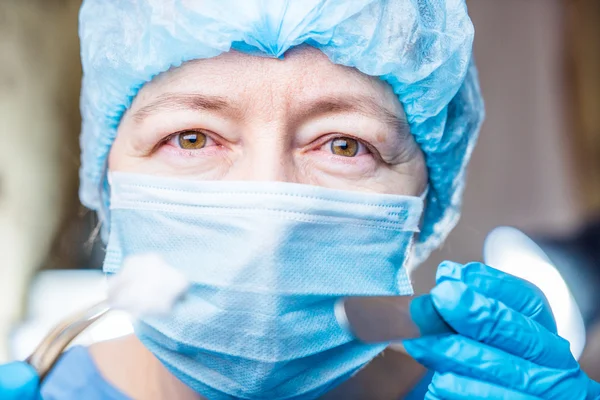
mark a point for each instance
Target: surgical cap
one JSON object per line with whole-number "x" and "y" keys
{"x": 422, "y": 48}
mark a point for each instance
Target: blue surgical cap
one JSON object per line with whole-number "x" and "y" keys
{"x": 422, "y": 48}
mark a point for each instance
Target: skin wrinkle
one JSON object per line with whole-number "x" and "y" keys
{"x": 328, "y": 105}
{"x": 177, "y": 101}
{"x": 273, "y": 120}
{"x": 268, "y": 112}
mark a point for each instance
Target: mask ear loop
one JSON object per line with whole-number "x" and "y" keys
{"x": 423, "y": 198}
{"x": 109, "y": 178}
{"x": 423, "y": 195}
{"x": 104, "y": 210}
{"x": 410, "y": 265}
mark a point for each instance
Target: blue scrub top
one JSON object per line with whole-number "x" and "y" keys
{"x": 76, "y": 377}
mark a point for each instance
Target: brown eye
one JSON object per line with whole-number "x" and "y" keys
{"x": 345, "y": 147}
{"x": 192, "y": 140}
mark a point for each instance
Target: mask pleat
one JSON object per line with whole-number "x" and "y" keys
{"x": 267, "y": 262}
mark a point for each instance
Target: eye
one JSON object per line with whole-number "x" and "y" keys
{"x": 191, "y": 140}
{"x": 346, "y": 147}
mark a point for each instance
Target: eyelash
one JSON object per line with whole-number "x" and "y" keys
{"x": 174, "y": 136}
{"x": 367, "y": 149}
{"x": 328, "y": 139}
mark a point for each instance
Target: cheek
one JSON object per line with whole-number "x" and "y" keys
{"x": 324, "y": 162}
{"x": 126, "y": 155}
{"x": 406, "y": 179}
{"x": 122, "y": 158}
{"x": 181, "y": 167}
{"x": 117, "y": 159}
{"x": 314, "y": 166}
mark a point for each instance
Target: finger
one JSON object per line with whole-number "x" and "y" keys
{"x": 463, "y": 356}
{"x": 516, "y": 293}
{"x": 455, "y": 387}
{"x": 490, "y": 321}
{"x": 593, "y": 389}
{"x": 18, "y": 381}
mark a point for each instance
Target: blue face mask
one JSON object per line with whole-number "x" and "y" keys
{"x": 267, "y": 261}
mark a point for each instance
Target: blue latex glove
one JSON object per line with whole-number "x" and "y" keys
{"x": 18, "y": 381}
{"x": 506, "y": 346}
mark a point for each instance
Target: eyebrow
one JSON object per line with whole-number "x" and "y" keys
{"x": 366, "y": 106}
{"x": 331, "y": 104}
{"x": 185, "y": 101}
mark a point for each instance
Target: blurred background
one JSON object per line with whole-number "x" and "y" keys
{"x": 536, "y": 168}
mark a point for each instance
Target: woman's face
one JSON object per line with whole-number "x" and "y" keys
{"x": 302, "y": 119}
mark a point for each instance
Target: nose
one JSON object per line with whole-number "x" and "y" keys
{"x": 267, "y": 156}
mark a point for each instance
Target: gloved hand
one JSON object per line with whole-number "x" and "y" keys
{"x": 18, "y": 381}
{"x": 506, "y": 346}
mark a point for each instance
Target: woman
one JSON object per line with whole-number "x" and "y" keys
{"x": 279, "y": 154}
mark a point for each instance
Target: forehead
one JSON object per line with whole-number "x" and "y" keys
{"x": 305, "y": 73}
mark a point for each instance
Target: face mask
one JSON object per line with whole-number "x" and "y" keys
{"x": 267, "y": 262}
